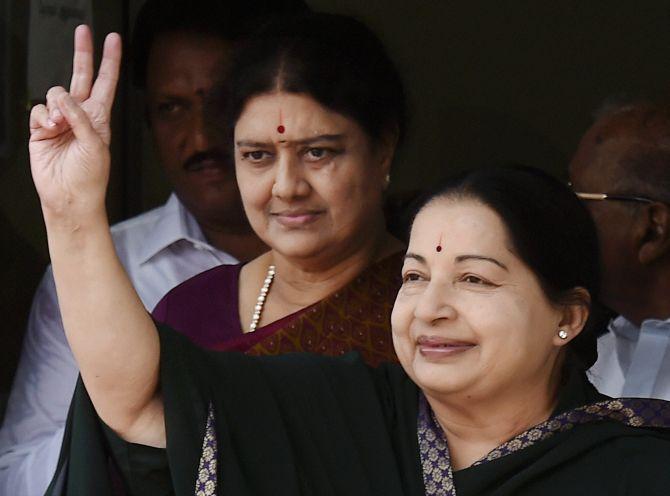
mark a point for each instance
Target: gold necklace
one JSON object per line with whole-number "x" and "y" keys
{"x": 260, "y": 301}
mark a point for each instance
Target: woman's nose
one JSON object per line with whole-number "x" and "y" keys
{"x": 290, "y": 182}
{"x": 436, "y": 303}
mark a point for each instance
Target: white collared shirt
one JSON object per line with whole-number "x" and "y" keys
{"x": 159, "y": 249}
{"x": 634, "y": 362}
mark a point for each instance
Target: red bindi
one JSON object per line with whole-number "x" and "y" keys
{"x": 438, "y": 249}
{"x": 281, "y": 129}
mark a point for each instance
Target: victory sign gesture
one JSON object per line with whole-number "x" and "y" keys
{"x": 109, "y": 331}
{"x": 70, "y": 135}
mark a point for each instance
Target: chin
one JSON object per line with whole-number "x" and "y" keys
{"x": 297, "y": 244}
{"x": 440, "y": 378}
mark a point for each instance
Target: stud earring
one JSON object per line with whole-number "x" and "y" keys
{"x": 563, "y": 334}
{"x": 387, "y": 181}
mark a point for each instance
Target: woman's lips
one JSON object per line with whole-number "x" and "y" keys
{"x": 297, "y": 219}
{"x": 434, "y": 347}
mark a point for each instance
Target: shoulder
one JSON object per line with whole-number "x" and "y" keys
{"x": 209, "y": 298}
{"x": 130, "y": 236}
{"x": 611, "y": 441}
{"x": 646, "y": 454}
{"x": 218, "y": 278}
{"x": 137, "y": 224}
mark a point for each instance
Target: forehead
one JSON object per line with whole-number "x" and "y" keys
{"x": 458, "y": 225}
{"x": 597, "y": 161}
{"x": 187, "y": 58}
{"x": 297, "y": 112}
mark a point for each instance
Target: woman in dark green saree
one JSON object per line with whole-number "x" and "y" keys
{"x": 490, "y": 327}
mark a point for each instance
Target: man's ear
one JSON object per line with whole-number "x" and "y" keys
{"x": 575, "y": 314}
{"x": 652, "y": 232}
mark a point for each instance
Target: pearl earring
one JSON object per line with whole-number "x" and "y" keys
{"x": 563, "y": 334}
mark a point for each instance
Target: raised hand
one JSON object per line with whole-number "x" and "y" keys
{"x": 70, "y": 135}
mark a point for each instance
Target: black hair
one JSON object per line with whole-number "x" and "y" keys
{"x": 335, "y": 59}
{"x": 228, "y": 19}
{"x": 550, "y": 231}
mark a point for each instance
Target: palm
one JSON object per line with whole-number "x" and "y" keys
{"x": 69, "y": 152}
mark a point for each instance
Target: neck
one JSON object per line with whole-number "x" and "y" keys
{"x": 475, "y": 427}
{"x": 301, "y": 282}
{"x": 649, "y": 300}
{"x": 239, "y": 241}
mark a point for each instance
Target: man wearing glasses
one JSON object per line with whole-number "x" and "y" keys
{"x": 621, "y": 170}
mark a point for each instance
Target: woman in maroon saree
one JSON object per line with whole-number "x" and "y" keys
{"x": 316, "y": 119}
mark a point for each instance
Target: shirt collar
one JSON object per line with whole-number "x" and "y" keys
{"x": 624, "y": 328}
{"x": 175, "y": 223}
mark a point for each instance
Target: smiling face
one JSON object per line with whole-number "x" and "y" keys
{"x": 310, "y": 179}
{"x": 471, "y": 318}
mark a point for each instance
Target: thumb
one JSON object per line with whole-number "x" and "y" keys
{"x": 78, "y": 120}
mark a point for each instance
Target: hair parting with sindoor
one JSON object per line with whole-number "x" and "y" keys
{"x": 334, "y": 59}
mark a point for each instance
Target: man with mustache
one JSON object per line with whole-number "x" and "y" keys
{"x": 180, "y": 51}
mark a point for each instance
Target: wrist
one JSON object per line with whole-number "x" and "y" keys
{"x": 75, "y": 221}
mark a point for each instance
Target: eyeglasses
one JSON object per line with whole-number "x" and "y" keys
{"x": 608, "y": 196}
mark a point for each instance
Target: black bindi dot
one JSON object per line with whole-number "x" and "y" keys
{"x": 438, "y": 249}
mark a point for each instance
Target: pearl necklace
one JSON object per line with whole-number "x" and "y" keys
{"x": 260, "y": 301}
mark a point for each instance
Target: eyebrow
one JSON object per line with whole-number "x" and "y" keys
{"x": 464, "y": 258}
{"x": 458, "y": 259}
{"x": 306, "y": 141}
{"x": 413, "y": 256}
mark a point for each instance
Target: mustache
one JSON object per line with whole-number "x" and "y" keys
{"x": 194, "y": 161}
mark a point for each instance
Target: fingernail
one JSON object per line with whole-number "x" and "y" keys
{"x": 56, "y": 115}
{"x": 50, "y": 123}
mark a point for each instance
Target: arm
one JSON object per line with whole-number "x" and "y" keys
{"x": 113, "y": 339}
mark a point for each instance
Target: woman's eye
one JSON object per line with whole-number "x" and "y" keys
{"x": 255, "y": 155}
{"x": 411, "y": 277}
{"x": 473, "y": 279}
{"x": 316, "y": 154}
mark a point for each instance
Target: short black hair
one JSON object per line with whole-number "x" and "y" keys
{"x": 228, "y": 19}
{"x": 335, "y": 59}
{"x": 551, "y": 232}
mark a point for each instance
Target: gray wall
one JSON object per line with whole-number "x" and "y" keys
{"x": 488, "y": 82}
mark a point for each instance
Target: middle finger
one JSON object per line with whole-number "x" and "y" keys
{"x": 108, "y": 74}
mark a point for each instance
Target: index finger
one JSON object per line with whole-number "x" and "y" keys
{"x": 82, "y": 64}
{"x": 108, "y": 75}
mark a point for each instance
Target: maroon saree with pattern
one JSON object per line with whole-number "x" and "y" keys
{"x": 354, "y": 318}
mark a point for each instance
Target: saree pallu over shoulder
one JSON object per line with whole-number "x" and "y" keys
{"x": 556, "y": 451}
{"x": 356, "y": 317}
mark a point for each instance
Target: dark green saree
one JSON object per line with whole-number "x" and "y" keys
{"x": 310, "y": 425}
